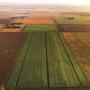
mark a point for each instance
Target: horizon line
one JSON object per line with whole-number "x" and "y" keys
{"x": 44, "y": 4}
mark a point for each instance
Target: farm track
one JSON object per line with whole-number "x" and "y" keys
{"x": 46, "y": 61}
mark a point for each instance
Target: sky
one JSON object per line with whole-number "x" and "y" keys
{"x": 61, "y": 2}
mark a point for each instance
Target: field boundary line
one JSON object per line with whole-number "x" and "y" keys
{"x": 61, "y": 37}
{"x": 13, "y": 67}
{"x": 15, "y": 62}
{"x": 11, "y": 83}
{"x": 30, "y": 37}
{"x": 82, "y": 79}
{"x": 47, "y": 61}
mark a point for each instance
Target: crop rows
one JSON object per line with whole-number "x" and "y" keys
{"x": 46, "y": 61}
{"x": 65, "y": 19}
{"x": 73, "y": 27}
{"x": 42, "y": 28}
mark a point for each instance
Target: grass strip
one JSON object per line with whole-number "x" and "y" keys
{"x": 34, "y": 72}
{"x": 38, "y": 28}
{"x": 56, "y": 78}
{"x": 64, "y": 71}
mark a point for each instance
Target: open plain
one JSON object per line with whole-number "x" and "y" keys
{"x": 44, "y": 48}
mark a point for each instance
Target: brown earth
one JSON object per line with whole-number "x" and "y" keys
{"x": 73, "y": 27}
{"x": 10, "y": 45}
{"x": 6, "y": 15}
{"x": 35, "y": 20}
{"x": 4, "y": 21}
{"x": 34, "y": 14}
{"x": 80, "y": 44}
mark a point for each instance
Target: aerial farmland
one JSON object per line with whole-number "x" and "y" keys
{"x": 42, "y": 49}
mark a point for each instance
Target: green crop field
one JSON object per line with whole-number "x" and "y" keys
{"x": 64, "y": 20}
{"x": 46, "y": 61}
{"x": 38, "y": 28}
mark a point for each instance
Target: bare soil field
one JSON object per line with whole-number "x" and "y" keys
{"x": 6, "y": 15}
{"x": 10, "y": 45}
{"x": 4, "y": 21}
{"x": 1, "y": 27}
{"x": 41, "y": 21}
{"x": 35, "y": 20}
{"x": 80, "y": 44}
{"x": 64, "y": 18}
{"x": 74, "y": 27}
{"x": 34, "y": 14}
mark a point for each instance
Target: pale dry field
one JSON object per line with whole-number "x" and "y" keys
{"x": 80, "y": 44}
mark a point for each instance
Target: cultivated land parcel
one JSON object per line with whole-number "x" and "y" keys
{"x": 46, "y": 62}
{"x": 49, "y": 49}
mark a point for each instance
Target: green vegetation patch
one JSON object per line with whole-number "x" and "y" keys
{"x": 34, "y": 72}
{"x": 62, "y": 20}
{"x": 61, "y": 71}
{"x": 56, "y": 78}
{"x": 42, "y": 28}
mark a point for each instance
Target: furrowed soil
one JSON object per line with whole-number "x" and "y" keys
{"x": 34, "y": 21}
{"x": 80, "y": 44}
{"x": 74, "y": 27}
{"x": 10, "y": 45}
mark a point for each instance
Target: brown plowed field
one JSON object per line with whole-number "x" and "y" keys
{"x": 4, "y": 21}
{"x": 10, "y": 45}
{"x": 74, "y": 27}
{"x": 80, "y": 44}
{"x": 35, "y": 20}
{"x": 6, "y": 15}
{"x": 2, "y": 27}
{"x": 39, "y": 15}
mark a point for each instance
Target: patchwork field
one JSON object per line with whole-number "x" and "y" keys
{"x": 64, "y": 21}
{"x": 69, "y": 18}
{"x": 46, "y": 62}
{"x": 35, "y": 20}
{"x": 49, "y": 49}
